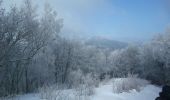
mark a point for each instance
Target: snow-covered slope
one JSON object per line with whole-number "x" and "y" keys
{"x": 105, "y": 92}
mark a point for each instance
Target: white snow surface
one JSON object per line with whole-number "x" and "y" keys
{"x": 105, "y": 92}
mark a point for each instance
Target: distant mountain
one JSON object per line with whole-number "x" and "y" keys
{"x": 104, "y": 43}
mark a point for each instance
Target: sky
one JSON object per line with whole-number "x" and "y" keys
{"x": 123, "y": 20}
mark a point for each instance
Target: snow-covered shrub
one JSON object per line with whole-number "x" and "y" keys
{"x": 75, "y": 78}
{"x": 86, "y": 87}
{"x": 83, "y": 84}
{"x": 82, "y": 92}
{"x": 82, "y": 88}
{"x": 126, "y": 84}
{"x": 57, "y": 93}
{"x": 49, "y": 92}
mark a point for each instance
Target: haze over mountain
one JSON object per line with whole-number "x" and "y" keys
{"x": 105, "y": 43}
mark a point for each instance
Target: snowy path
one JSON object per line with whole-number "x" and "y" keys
{"x": 104, "y": 92}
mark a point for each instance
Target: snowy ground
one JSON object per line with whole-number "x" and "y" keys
{"x": 105, "y": 92}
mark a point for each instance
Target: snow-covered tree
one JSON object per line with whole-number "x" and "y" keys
{"x": 22, "y": 37}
